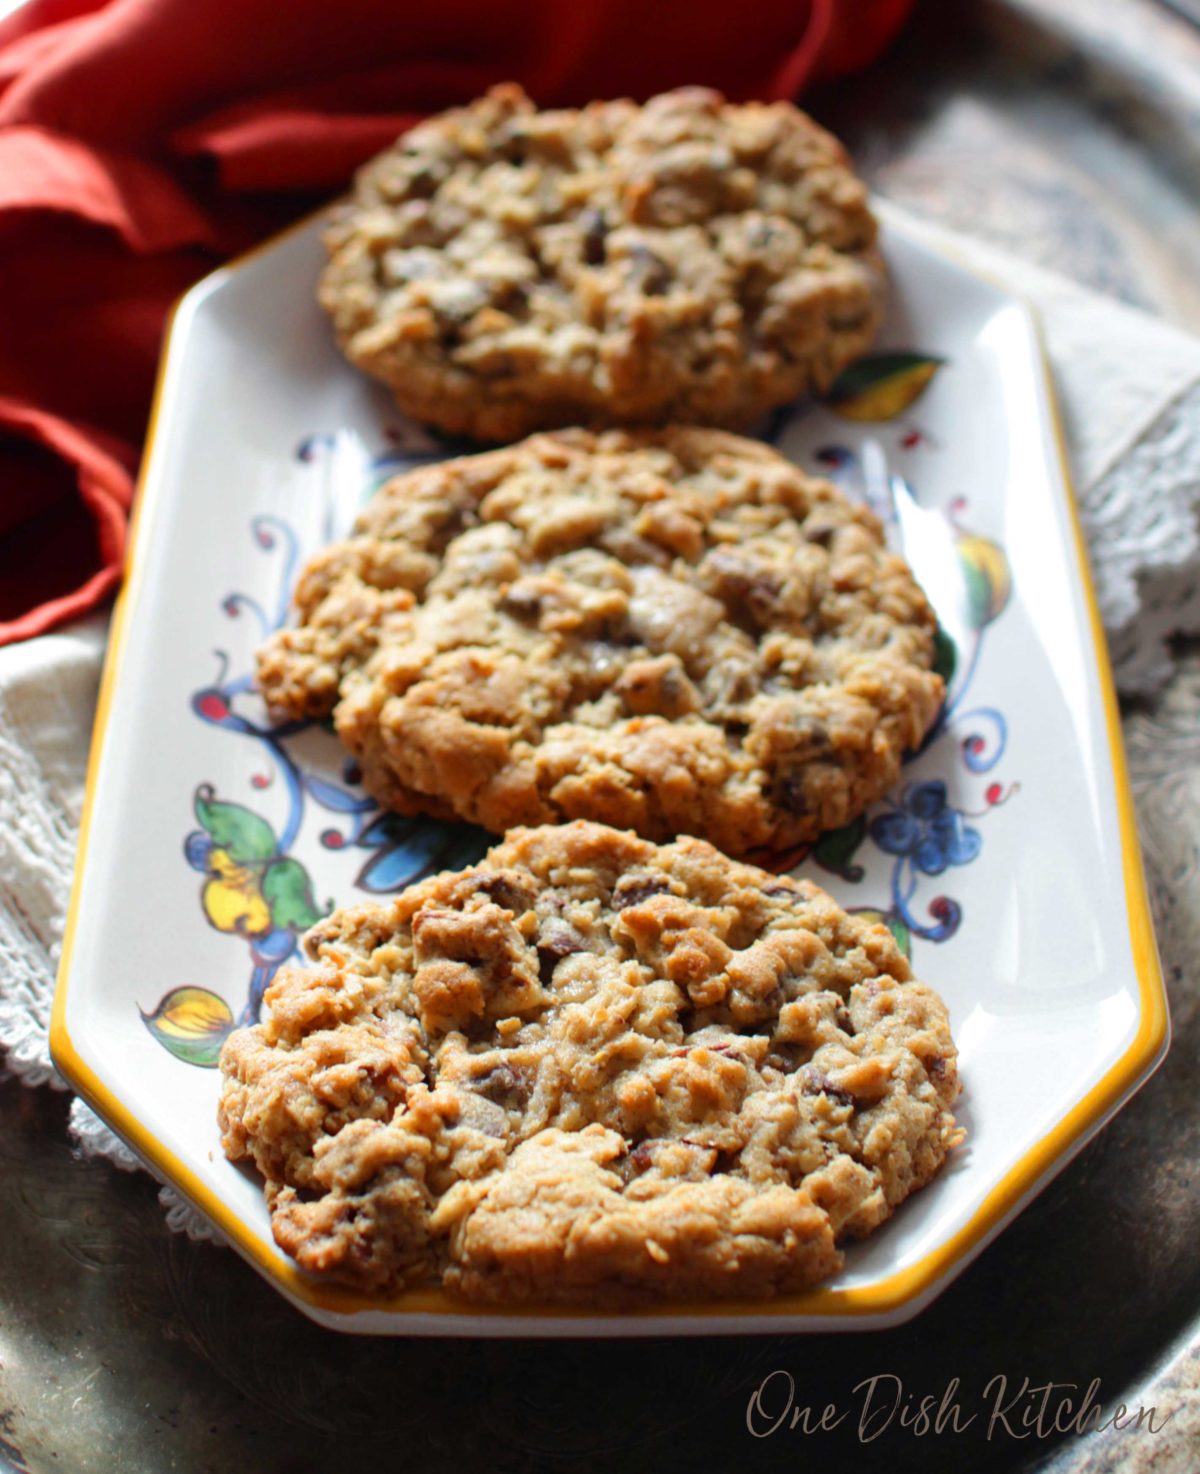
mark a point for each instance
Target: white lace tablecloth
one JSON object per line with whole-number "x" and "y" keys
{"x": 1129, "y": 389}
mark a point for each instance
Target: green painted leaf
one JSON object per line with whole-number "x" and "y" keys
{"x": 901, "y": 933}
{"x": 882, "y": 385}
{"x": 242, "y": 834}
{"x": 987, "y": 576}
{"x": 945, "y": 656}
{"x": 835, "y": 849}
{"x": 192, "y": 1023}
{"x": 287, "y": 890}
{"x": 979, "y": 594}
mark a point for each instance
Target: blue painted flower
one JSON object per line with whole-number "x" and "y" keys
{"x": 927, "y": 830}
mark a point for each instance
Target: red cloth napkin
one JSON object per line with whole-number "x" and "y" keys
{"x": 141, "y": 141}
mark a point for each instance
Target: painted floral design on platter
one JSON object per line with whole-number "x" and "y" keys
{"x": 252, "y": 886}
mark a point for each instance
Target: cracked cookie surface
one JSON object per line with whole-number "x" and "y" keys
{"x": 591, "y": 1067}
{"x": 672, "y": 631}
{"x": 504, "y": 270}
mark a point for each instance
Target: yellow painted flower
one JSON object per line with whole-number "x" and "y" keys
{"x": 233, "y": 899}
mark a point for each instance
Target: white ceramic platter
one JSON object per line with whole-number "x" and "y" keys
{"x": 1007, "y": 860}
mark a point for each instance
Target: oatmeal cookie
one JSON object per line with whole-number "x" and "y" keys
{"x": 672, "y": 631}
{"x": 504, "y": 270}
{"x": 591, "y": 1066}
